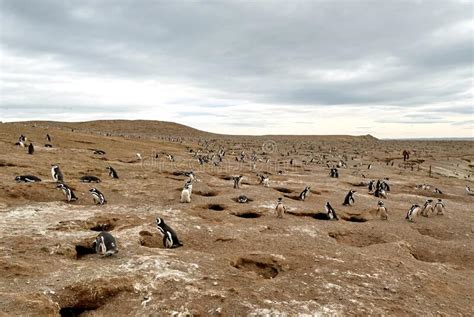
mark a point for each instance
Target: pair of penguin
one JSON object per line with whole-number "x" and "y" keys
{"x": 106, "y": 245}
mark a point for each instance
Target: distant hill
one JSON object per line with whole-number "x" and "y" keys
{"x": 151, "y": 128}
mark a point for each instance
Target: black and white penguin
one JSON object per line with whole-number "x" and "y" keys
{"x": 48, "y": 137}
{"x": 112, "y": 172}
{"x": 186, "y": 193}
{"x": 98, "y": 197}
{"x": 469, "y": 190}
{"x": 349, "y": 200}
{"x": 98, "y": 152}
{"x": 382, "y": 210}
{"x": 380, "y": 193}
{"x": 31, "y": 149}
{"x": 439, "y": 207}
{"x": 237, "y": 181}
{"x": 105, "y": 244}
{"x": 242, "y": 199}
{"x": 384, "y": 185}
{"x": 56, "y": 174}
{"x": 437, "y": 191}
{"x": 191, "y": 175}
{"x": 427, "y": 206}
{"x": 334, "y": 173}
{"x": 304, "y": 193}
{"x": 371, "y": 186}
{"x": 170, "y": 239}
{"x": 90, "y": 179}
{"x": 412, "y": 212}
{"x": 70, "y": 196}
{"x": 280, "y": 208}
{"x": 27, "y": 179}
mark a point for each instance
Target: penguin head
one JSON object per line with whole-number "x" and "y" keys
{"x": 18, "y": 178}
{"x": 380, "y": 203}
{"x": 280, "y": 199}
{"x": 93, "y": 190}
{"x": 60, "y": 186}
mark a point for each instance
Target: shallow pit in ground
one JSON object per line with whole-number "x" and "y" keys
{"x": 248, "y": 214}
{"x": 359, "y": 239}
{"x": 150, "y": 240}
{"x": 264, "y": 266}
{"x": 206, "y": 193}
{"x": 84, "y": 296}
{"x": 284, "y": 190}
{"x": 354, "y": 218}
{"x": 216, "y": 207}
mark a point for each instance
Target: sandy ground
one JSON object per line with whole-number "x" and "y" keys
{"x": 237, "y": 259}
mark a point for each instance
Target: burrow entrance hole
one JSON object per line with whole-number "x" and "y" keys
{"x": 248, "y": 215}
{"x": 265, "y": 268}
{"x": 216, "y": 207}
{"x": 206, "y": 193}
{"x": 283, "y": 190}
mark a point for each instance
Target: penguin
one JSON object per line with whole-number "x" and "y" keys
{"x": 31, "y": 149}
{"x": 56, "y": 174}
{"x": 280, "y": 208}
{"x": 48, "y": 145}
{"x": 112, "y": 172}
{"x": 242, "y": 199}
{"x": 437, "y": 191}
{"x": 170, "y": 239}
{"x": 105, "y": 244}
{"x": 191, "y": 175}
{"x": 70, "y": 196}
{"x": 412, "y": 212}
{"x": 382, "y": 210}
{"x": 99, "y": 198}
{"x": 304, "y": 193}
{"x": 334, "y": 173}
{"x": 369, "y": 166}
{"x": 469, "y": 191}
{"x": 384, "y": 185}
{"x": 349, "y": 200}
{"x": 371, "y": 186}
{"x": 380, "y": 193}
{"x": 139, "y": 156}
{"x": 439, "y": 207}
{"x": 427, "y": 206}
{"x": 330, "y": 213}
{"x": 90, "y": 179}
{"x": 48, "y": 137}
{"x": 99, "y": 152}
{"x": 186, "y": 194}
{"x": 27, "y": 179}
{"x": 237, "y": 181}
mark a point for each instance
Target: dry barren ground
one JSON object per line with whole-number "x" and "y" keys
{"x": 237, "y": 259}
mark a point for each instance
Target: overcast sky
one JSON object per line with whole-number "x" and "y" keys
{"x": 388, "y": 68}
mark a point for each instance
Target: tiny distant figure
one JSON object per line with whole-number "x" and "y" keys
{"x": 48, "y": 137}
{"x": 406, "y": 155}
{"x": 31, "y": 149}
{"x": 280, "y": 208}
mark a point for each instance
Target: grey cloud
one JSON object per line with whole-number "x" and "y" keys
{"x": 263, "y": 52}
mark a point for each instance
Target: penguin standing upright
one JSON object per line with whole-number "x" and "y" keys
{"x": 371, "y": 186}
{"x": 56, "y": 174}
{"x": 331, "y": 213}
{"x": 70, "y": 196}
{"x": 304, "y": 193}
{"x": 105, "y": 244}
{"x": 412, "y": 212}
{"x": 439, "y": 207}
{"x": 427, "y": 206}
{"x": 382, "y": 210}
{"x": 112, "y": 172}
{"x": 48, "y": 137}
{"x": 349, "y": 200}
{"x": 186, "y": 194}
{"x": 98, "y": 197}
{"x": 280, "y": 208}
{"x": 31, "y": 149}
{"x": 170, "y": 239}
{"x": 237, "y": 181}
